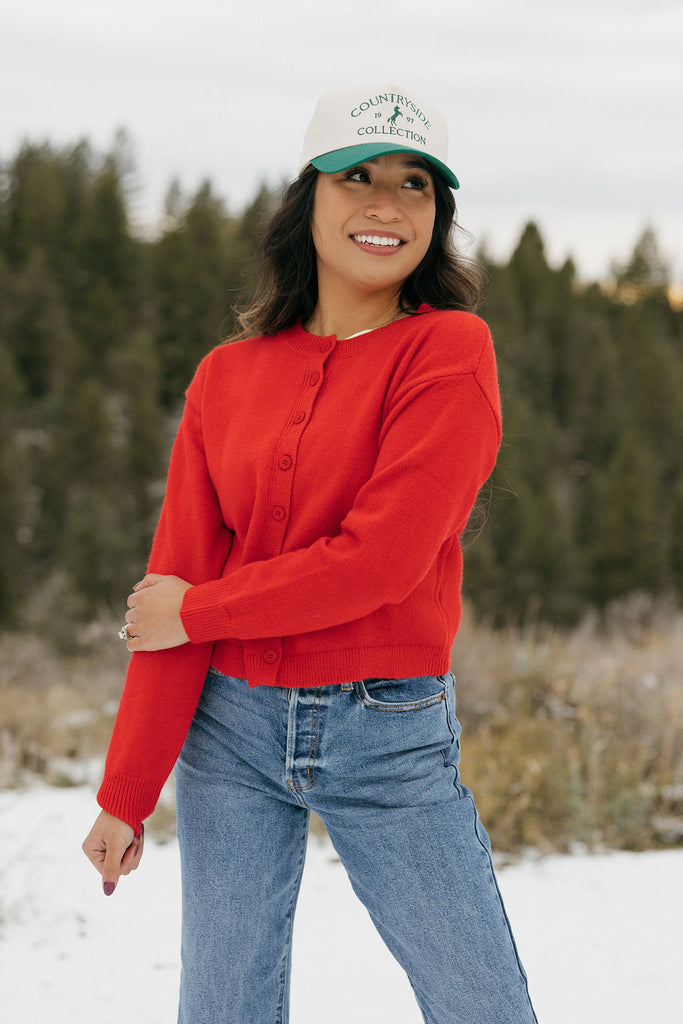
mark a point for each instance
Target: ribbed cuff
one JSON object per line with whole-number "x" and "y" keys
{"x": 202, "y": 615}
{"x": 130, "y": 799}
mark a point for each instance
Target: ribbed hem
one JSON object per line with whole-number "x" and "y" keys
{"x": 130, "y": 799}
{"x": 322, "y": 668}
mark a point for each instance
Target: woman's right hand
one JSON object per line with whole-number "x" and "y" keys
{"x": 113, "y": 848}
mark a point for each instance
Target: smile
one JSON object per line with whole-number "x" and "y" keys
{"x": 380, "y": 240}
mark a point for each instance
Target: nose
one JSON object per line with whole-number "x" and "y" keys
{"x": 383, "y": 205}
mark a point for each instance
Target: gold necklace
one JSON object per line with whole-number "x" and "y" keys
{"x": 401, "y": 314}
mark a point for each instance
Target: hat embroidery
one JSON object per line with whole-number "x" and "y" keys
{"x": 387, "y": 125}
{"x": 397, "y": 101}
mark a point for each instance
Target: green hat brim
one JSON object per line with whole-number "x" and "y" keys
{"x": 350, "y": 156}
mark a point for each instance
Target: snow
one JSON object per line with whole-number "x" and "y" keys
{"x": 599, "y": 935}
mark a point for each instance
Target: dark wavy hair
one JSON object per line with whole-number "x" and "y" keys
{"x": 288, "y": 288}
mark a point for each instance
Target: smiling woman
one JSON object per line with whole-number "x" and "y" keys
{"x": 292, "y": 638}
{"x": 372, "y": 227}
{"x": 288, "y": 290}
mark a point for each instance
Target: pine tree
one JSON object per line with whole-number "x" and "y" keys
{"x": 629, "y": 553}
{"x": 13, "y": 490}
{"x": 194, "y": 286}
{"x": 646, "y": 273}
{"x": 34, "y": 204}
{"x": 34, "y": 323}
{"x": 140, "y": 441}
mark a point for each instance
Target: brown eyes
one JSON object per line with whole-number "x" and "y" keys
{"x": 415, "y": 182}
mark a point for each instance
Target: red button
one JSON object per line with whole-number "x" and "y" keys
{"x": 325, "y": 346}
{"x": 278, "y": 513}
{"x": 286, "y": 462}
{"x": 299, "y": 417}
{"x": 270, "y": 657}
{"x": 315, "y": 377}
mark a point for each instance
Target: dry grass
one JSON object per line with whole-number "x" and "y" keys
{"x": 57, "y": 710}
{"x": 569, "y": 738}
{"x": 576, "y": 737}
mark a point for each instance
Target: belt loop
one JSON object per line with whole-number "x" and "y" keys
{"x": 346, "y": 687}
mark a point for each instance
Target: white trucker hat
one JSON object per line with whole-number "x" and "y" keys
{"x": 352, "y": 125}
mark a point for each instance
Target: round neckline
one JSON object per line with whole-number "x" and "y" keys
{"x": 306, "y": 344}
{"x": 422, "y": 308}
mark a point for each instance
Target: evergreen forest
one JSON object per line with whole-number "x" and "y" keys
{"x": 101, "y": 330}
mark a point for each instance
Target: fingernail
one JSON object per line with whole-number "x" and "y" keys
{"x": 108, "y": 888}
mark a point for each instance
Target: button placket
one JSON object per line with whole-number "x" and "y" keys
{"x": 288, "y": 446}
{"x": 263, "y": 656}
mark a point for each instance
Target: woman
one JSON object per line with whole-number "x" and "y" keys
{"x": 293, "y": 633}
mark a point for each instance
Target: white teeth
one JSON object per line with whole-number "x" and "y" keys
{"x": 377, "y": 240}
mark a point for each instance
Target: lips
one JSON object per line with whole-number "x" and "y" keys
{"x": 380, "y": 241}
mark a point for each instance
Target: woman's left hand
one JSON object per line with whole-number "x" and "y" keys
{"x": 153, "y": 618}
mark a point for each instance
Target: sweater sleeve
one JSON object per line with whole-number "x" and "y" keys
{"x": 437, "y": 447}
{"x": 165, "y": 686}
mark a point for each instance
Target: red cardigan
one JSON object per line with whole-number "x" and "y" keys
{"x": 316, "y": 493}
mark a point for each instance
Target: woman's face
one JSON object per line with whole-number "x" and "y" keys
{"x": 372, "y": 225}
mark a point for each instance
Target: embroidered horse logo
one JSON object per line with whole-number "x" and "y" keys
{"x": 397, "y": 113}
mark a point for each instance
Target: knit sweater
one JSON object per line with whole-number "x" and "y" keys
{"x": 316, "y": 493}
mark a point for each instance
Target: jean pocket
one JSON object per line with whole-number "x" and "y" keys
{"x": 401, "y": 694}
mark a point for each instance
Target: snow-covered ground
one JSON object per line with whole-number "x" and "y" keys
{"x": 600, "y": 935}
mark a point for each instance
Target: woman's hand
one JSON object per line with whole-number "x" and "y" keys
{"x": 153, "y": 618}
{"x": 114, "y": 849}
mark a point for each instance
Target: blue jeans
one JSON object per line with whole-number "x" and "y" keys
{"x": 378, "y": 762}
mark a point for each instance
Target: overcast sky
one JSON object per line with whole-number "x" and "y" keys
{"x": 567, "y": 112}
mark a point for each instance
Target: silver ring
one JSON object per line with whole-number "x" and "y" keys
{"x": 123, "y": 633}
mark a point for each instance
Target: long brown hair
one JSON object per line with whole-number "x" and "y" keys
{"x": 288, "y": 288}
